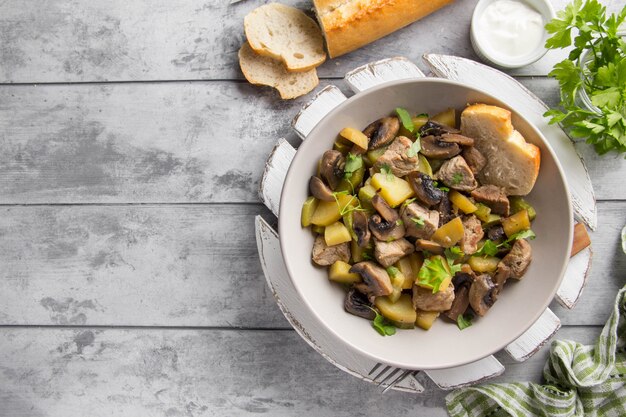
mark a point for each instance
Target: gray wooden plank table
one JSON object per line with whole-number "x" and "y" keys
{"x": 130, "y": 155}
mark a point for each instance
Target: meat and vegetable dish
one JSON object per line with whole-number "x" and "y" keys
{"x": 416, "y": 220}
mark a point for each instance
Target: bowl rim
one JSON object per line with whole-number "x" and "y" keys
{"x": 523, "y": 61}
{"x": 282, "y": 219}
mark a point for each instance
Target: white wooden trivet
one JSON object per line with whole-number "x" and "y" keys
{"x": 307, "y": 326}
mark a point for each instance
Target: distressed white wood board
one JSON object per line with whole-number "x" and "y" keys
{"x": 167, "y": 142}
{"x": 301, "y": 319}
{"x": 83, "y": 40}
{"x": 532, "y": 108}
{"x": 202, "y": 372}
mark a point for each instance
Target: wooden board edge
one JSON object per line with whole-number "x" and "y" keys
{"x": 379, "y": 72}
{"x": 314, "y": 111}
{"x": 575, "y": 278}
{"x": 466, "y": 375}
{"x": 535, "y": 337}
{"x": 273, "y": 178}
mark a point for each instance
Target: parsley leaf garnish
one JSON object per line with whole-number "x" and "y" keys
{"x": 596, "y": 64}
{"x": 457, "y": 178}
{"x": 408, "y": 201}
{"x": 392, "y": 271}
{"x": 399, "y": 222}
{"x": 381, "y": 325}
{"x": 441, "y": 187}
{"x": 464, "y": 321}
{"x": 415, "y": 148}
{"x": 454, "y": 253}
{"x": 419, "y": 221}
{"x": 386, "y": 170}
{"x": 433, "y": 272}
{"x": 405, "y": 118}
{"x": 353, "y": 163}
{"x": 490, "y": 248}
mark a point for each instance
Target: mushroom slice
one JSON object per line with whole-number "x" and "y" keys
{"x": 462, "y": 282}
{"x": 502, "y": 274}
{"x": 482, "y": 294}
{"x": 360, "y": 227}
{"x": 382, "y": 131}
{"x": 518, "y": 259}
{"x": 456, "y": 174}
{"x": 384, "y": 209}
{"x": 332, "y": 167}
{"x": 425, "y": 190}
{"x": 456, "y": 138}
{"x": 386, "y": 231}
{"x": 320, "y": 190}
{"x": 429, "y": 246}
{"x": 388, "y": 253}
{"x": 424, "y": 298}
{"x": 436, "y": 129}
{"x": 358, "y": 304}
{"x": 445, "y": 210}
{"x": 433, "y": 148}
{"x": 375, "y": 277}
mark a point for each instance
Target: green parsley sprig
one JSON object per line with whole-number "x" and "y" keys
{"x": 382, "y": 326}
{"x": 597, "y": 64}
{"x": 491, "y": 248}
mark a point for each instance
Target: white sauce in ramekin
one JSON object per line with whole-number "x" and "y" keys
{"x": 510, "y": 29}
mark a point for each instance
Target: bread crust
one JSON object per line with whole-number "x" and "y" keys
{"x": 350, "y": 24}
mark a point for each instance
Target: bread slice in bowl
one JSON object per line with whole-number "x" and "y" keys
{"x": 512, "y": 163}
{"x": 286, "y": 34}
{"x": 262, "y": 70}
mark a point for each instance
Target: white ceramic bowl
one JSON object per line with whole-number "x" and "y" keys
{"x": 444, "y": 345}
{"x": 544, "y": 7}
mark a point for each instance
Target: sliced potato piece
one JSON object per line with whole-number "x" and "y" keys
{"x": 308, "y": 208}
{"x": 419, "y": 121}
{"x": 328, "y": 212}
{"x": 340, "y": 272}
{"x": 449, "y": 234}
{"x": 463, "y": 203}
{"x": 393, "y": 189}
{"x": 516, "y": 223}
{"x": 447, "y": 117}
{"x": 366, "y": 193}
{"x": 361, "y": 254}
{"x": 355, "y": 136}
{"x": 425, "y": 319}
{"x": 519, "y": 204}
{"x": 401, "y": 313}
{"x": 404, "y": 265}
{"x": 336, "y": 233}
{"x": 483, "y": 264}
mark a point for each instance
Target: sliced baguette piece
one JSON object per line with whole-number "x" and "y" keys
{"x": 287, "y": 34}
{"x": 512, "y": 163}
{"x": 262, "y": 70}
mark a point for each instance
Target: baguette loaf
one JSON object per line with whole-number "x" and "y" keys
{"x": 512, "y": 163}
{"x": 267, "y": 71}
{"x": 350, "y": 24}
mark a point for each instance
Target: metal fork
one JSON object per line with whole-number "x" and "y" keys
{"x": 388, "y": 372}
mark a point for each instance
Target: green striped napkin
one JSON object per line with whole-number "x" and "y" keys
{"x": 581, "y": 381}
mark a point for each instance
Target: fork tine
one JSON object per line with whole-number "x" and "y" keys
{"x": 381, "y": 373}
{"x": 378, "y": 365}
{"x": 398, "y": 379}
{"x": 395, "y": 371}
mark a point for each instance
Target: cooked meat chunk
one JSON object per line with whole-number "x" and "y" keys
{"x": 374, "y": 277}
{"x": 419, "y": 221}
{"x": 396, "y": 157}
{"x": 434, "y": 148}
{"x": 384, "y": 230}
{"x": 518, "y": 259}
{"x": 424, "y": 299}
{"x": 445, "y": 210}
{"x": 388, "y": 253}
{"x": 325, "y": 255}
{"x": 456, "y": 174}
{"x": 494, "y": 197}
{"x": 482, "y": 294}
{"x": 473, "y": 232}
{"x": 475, "y": 160}
{"x": 425, "y": 191}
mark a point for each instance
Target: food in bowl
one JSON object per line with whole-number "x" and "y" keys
{"x": 418, "y": 219}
